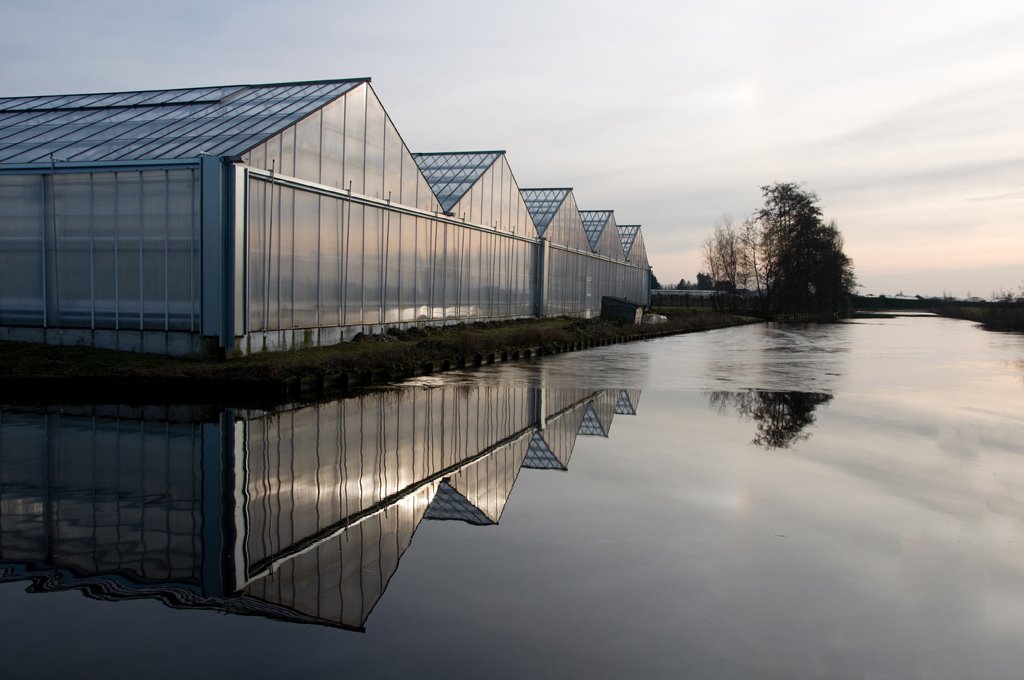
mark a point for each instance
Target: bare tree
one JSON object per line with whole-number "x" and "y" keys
{"x": 723, "y": 252}
{"x": 751, "y": 259}
{"x": 711, "y": 259}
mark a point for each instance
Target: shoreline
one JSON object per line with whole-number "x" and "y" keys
{"x": 38, "y": 374}
{"x": 999, "y": 318}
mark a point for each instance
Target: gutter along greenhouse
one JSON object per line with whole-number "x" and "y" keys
{"x": 262, "y": 217}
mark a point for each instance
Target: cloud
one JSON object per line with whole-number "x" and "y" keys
{"x": 904, "y": 118}
{"x": 1011, "y": 196}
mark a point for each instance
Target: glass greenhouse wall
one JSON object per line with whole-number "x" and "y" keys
{"x": 324, "y": 262}
{"x": 578, "y": 277}
{"x": 252, "y": 218}
{"x": 102, "y": 252}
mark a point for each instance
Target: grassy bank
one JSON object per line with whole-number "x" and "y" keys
{"x": 36, "y": 373}
{"x": 994, "y": 316}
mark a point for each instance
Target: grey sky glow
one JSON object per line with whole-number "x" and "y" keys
{"x": 905, "y": 117}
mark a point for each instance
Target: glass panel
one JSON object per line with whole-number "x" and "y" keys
{"x": 485, "y": 187}
{"x": 374, "y": 185}
{"x": 330, "y": 262}
{"x": 394, "y": 152}
{"x": 392, "y": 254}
{"x": 510, "y": 199}
{"x": 307, "y": 261}
{"x": 307, "y": 148}
{"x": 287, "y": 166}
{"x": 474, "y": 273}
{"x": 273, "y": 159}
{"x": 258, "y": 157}
{"x": 354, "y": 265}
{"x": 155, "y": 250}
{"x": 467, "y": 293}
{"x": 286, "y": 259}
{"x": 408, "y": 268}
{"x": 355, "y": 134}
{"x": 21, "y": 250}
{"x": 105, "y": 274}
{"x": 424, "y": 268}
{"x": 411, "y": 180}
{"x": 129, "y": 250}
{"x": 442, "y": 268}
{"x": 372, "y": 265}
{"x": 332, "y": 150}
{"x": 68, "y": 246}
{"x": 258, "y": 253}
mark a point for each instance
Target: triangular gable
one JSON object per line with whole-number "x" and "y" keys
{"x": 628, "y": 234}
{"x": 602, "y": 233}
{"x": 591, "y": 425}
{"x": 638, "y": 254}
{"x": 627, "y": 401}
{"x": 539, "y": 456}
{"x": 378, "y": 164}
{"x": 477, "y": 493}
{"x": 487, "y": 483}
{"x": 543, "y": 204}
{"x": 563, "y": 226}
{"x": 566, "y": 408}
{"x": 156, "y": 124}
{"x": 594, "y": 223}
{"x": 451, "y": 175}
{"x": 449, "y": 504}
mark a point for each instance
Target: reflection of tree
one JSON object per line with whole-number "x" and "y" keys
{"x": 781, "y": 417}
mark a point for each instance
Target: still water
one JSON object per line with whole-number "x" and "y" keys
{"x": 840, "y": 501}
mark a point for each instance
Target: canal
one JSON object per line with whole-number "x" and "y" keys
{"x": 772, "y": 501}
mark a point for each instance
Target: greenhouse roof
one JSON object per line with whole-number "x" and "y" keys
{"x": 449, "y": 504}
{"x": 591, "y": 425}
{"x": 156, "y": 124}
{"x": 539, "y": 455}
{"x": 452, "y": 174}
{"x": 594, "y": 222}
{"x": 627, "y": 234}
{"x": 543, "y": 204}
{"x": 625, "y": 404}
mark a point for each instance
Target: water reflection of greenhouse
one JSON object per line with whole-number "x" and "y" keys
{"x": 301, "y": 515}
{"x": 266, "y": 217}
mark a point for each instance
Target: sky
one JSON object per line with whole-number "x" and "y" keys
{"x": 906, "y": 118}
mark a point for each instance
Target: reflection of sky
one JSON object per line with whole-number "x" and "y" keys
{"x": 886, "y": 545}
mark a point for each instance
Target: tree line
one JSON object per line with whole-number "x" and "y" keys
{"x": 786, "y": 256}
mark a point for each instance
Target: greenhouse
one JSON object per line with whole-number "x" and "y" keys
{"x": 250, "y": 218}
{"x": 581, "y": 268}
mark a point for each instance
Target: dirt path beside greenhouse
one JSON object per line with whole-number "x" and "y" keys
{"x": 37, "y": 374}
